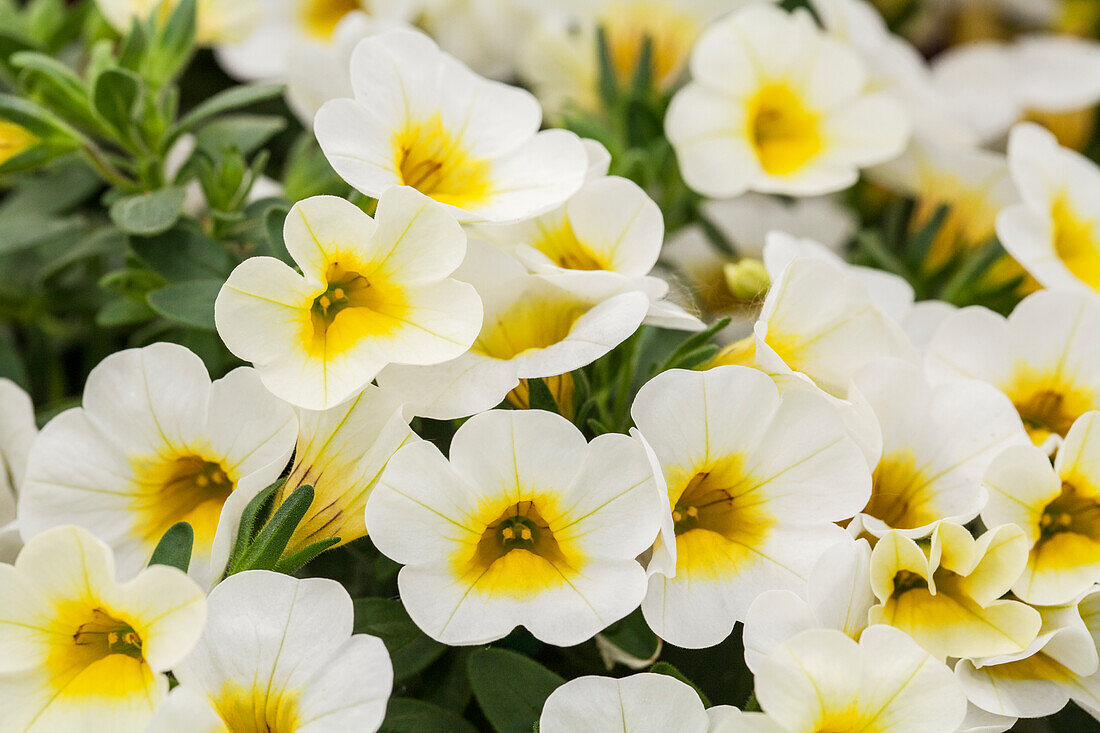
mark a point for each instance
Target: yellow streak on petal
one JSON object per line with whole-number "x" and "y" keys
{"x": 257, "y": 710}
{"x": 320, "y": 17}
{"x": 434, "y": 161}
{"x": 1075, "y": 242}
{"x": 529, "y": 324}
{"x": 561, "y": 245}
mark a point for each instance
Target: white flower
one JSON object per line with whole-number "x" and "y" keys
{"x": 525, "y": 524}
{"x": 81, "y": 652}
{"x": 1045, "y": 357}
{"x": 532, "y": 329}
{"x": 17, "y": 434}
{"x": 640, "y": 703}
{"x": 278, "y": 654}
{"x": 486, "y": 35}
{"x": 1055, "y": 232}
{"x": 157, "y": 443}
{"x": 421, "y": 119}
{"x": 371, "y": 292}
{"x": 775, "y": 105}
{"x": 755, "y": 481}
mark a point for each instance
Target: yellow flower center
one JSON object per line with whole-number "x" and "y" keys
{"x": 671, "y": 30}
{"x": 527, "y": 325}
{"x": 1072, "y": 512}
{"x": 1047, "y": 405}
{"x": 351, "y": 308}
{"x": 898, "y": 495}
{"x": 320, "y": 17}
{"x": 907, "y": 580}
{"x": 184, "y": 488}
{"x": 96, "y": 654}
{"x": 434, "y": 162}
{"x": 561, "y": 245}
{"x": 784, "y": 133}
{"x": 256, "y": 710}
{"x": 1075, "y": 242}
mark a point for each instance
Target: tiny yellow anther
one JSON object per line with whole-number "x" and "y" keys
{"x": 508, "y": 533}
{"x": 677, "y": 516}
{"x": 525, "y": 533}
{"x": 338, "y": 294}
{"x": 692, "y": 511}
{"x": 202, "y": 480}
{"x": 324, "y": 301}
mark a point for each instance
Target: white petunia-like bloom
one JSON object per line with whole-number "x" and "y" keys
{"x": 1058, "y": 508}
{"x": 372, "y": 291}
{"x": 640, "y": 703}
{"x": 1045, "y": 356}
{"x": 217, "y": 22}
{"x": 1055, "y": 232}
{"x": 17, "y": 434}
{"x": 822, "y": 680}
{"x": 937, "y": 443}
{"x": 278, "y": 654}
{"x": 156, "y": 443}
{"x": 1061, "y": 665}
{"x": 775, "y": 105}
{"x": 82, "y": 652}
{"x": 542, "y": 530}
{"x": 420, "y": 118}
{"x": 755, "y": 481}
{"x": 947, "y": 594}
{"x": 532, "y": 329}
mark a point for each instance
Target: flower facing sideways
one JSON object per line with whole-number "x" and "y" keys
{"x": 640, "y": 703}
{"x": 80, "y": 651}
{"x": 371, "y": 292}
{"x": 157, "y": 443}
{"x": 542, "y": 529}
{"x": 278, "y": 656}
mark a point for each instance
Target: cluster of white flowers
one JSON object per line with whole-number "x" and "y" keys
{"x": 899, "y": 501}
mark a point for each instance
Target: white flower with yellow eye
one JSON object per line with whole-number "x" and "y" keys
{"x": 157, "y": 443}
{"x": 640, "y": 703}
{"x": 1058, "y": 508}
{"x": 937, "y": 443}
{"x": 1055, "y": 232}
{"x": 217, "y": 22}
{"x": 947, "y": 594}
{"x": 372, "y": 291}
{"x": 755, "y": 481}
{"x": 532, "y": 329}
{"x": 824, "y": 681}
{"x": 775, "y": 105}
{"x": 81, "y": 651}
{"x": 1061, "y": 665}
{"x": 17, "y": 434}
{"x": 421, "y": 119}
{"x": 1045, "y": 356}
{"x": 277, "y": 655}
{"x": 542, "y": 530}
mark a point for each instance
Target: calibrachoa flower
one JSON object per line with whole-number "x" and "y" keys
{"x": 81, "y": 651}
{"x": 1058, "y": 508}
{"x": 947, "y": 594}
{"x": 775, "y": 105}
{"x": 542, "y": 530}
{"x": 1045, "y": 357}
{"x": 824, "y": 681}
{"x": 371, "y": 292}
{"x": 157, "y": 443}
{"x": 17, "y": 433}
{"x": 278, "y": 655}
{"x": 755, "y": 481}
{"x": 421, "y": 119}
{"x": 640, "y": 703}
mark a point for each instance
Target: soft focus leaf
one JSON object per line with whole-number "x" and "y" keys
{"x": 146, "y": 214}
{"x": 190, "y": 303}
{"x": 510, "y": 688}
{"x": 411, "y": 650}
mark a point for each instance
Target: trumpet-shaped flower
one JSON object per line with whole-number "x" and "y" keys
{"x": 341, "y": 453}
{"x": 937, "y": 443}
{"x": 946, "y": 594}
{"x": 421, "y": 119}
{"x": 640, "y": 703}
{"x": 776, "y": 105}
{"x": 755, "y": 481}
{"x": 532, "y": 329}
{"x": 1055, "y": 232}
{"x": 278, "y": 655}
{"x": 82, "y": 652}
{"x": 371, "y": 292}
{"x": 542, "y": 530}
{"x": 1045, "y": 356}
{"x": 157, "y": 443}
{"x": 1058, "y": 508}
{"x": 824, "y": 681}
{"x": 17, "y": 434}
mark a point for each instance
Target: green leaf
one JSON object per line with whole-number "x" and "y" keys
{"x": 184, "y": 253}
{"x": 172, "y": 44}
{"x": 667, "y": 669}
{"x": 411, "y": 650}
{"x": 36, "y": 119}
{"x": 174, "y": 548}
{"x": 291, "y": 564}
{"x": 122, "y": 311}
{"x": 266, "y": 550}
{"x": 608, "y": 82}
{"x": 691, "y": 345}
{"x": 247, "y": 526}
{"x": 920, "y": 242}
{"x": 274, "y": 219}
{"x": 540, "y": 397}
{"x": 146, "y": 214}
{"x": 643, "y": 71}
{"x": 131, "y": 282}
{"x": 406, "y": 715}
{"x": 510, "y": 688}
{"x": 190, "y": 303}
{"x": 231, "y": 99}
{"x": 36, "y": 156}
{"x": 245, "y": 133}
{"x": 115, "y": 97}
{"x": 633, "y": 635}
{"x": 55, "y": 85}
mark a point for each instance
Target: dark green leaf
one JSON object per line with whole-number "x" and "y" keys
{"x": 184, "y": 253}
{"x": 920, "y": 242}
{"x": 608, "y": 82}
{"x": 668, "y": 669}
{"x": 633, "y": 635}
{"x": 255, "y": 508}
{"x": 123, "y": 311}
{"x": 132, "y": 282}
{"x": 274, "y": 219}
{"x": 174, "y": 548}
{"x": 540, "y": 397}
{"x": 643, "y": 70}
{"x": 406, "y": 715}
{"x": 266, "y": 550}
{"x": 510, "y": 688}
{"x": 146, "y": 214}
{"x": 410, "y": 649}
{"x": 190, "y": 303}
{"x": 692, "y": 344}
{"x": 231, "y": 99}
{"x": 294, "y": 562}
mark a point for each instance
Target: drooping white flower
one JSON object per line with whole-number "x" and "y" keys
{"x": 278, "y": 654}
{"x": 82, "y": 652}
{"x": 775, "y": 105}
{"x": 640, "y": 703}
{"x": 755, "y": 481}
{"x": 540, "y": 530}
{"x": 17, "y": 434}
{"x": 372, "y": 291}
{"x": 157, "y": 443}
{"x": 420, "y": 118}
